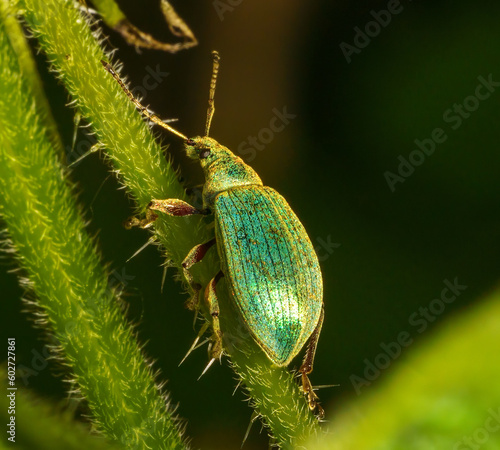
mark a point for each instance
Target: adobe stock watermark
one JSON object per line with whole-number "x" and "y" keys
{"x": 153, "y": 78}
{"x": 150, "y": 82}
{"x": 222, "y": 7}
{"x": 480, "y": 435}
{"x": 454, "y": 116}
{"x": 420, "y": 320}
{"x": 363, "y": 38}
{"x": 248, "y": 149}
{"x": 325, "y": 248}
{"x": 39, "y": 361}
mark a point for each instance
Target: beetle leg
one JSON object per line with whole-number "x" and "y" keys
{"x": 175, "y": 207}
{"x": 213, "y": 307}
{"x": 194, "y": 256}
{"x": 171, "y": 206}
{"x": 307, "y": 368}
{"x": 133, "y": 221}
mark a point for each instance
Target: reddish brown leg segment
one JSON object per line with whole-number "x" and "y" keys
{"x": 307, "y": 368}
{"x": 195, "y": 255}
{"x": 170, "y": 206}
{"x": 174, "y": 207}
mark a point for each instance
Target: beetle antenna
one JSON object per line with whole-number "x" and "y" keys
{"x": 213, "y": 82}
{"x": 153, "y": 117}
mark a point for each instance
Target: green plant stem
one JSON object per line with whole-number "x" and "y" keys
{"x": 40, "y": 425}
{"x": 110, "y": 12}
{"x": 113, "y": 16}
{"x": 66, "y": 274}
{"x": 273, "y": 391}
{"x": 75, "y": 54}
{"x": 27, "y": 66}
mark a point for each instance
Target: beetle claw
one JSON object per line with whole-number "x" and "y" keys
{"x": 216, "y": 350}
{"x": 193, "y": 301}
{"x": 311, "y": 397}
{"x": 133, "y": 221}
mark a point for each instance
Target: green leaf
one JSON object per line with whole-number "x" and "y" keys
{"x": 444, "y": 395}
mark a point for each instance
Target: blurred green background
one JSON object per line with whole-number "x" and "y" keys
{"x": 385, "y": 253}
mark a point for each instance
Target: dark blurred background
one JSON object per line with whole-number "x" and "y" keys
{"x": 359, "y": 104}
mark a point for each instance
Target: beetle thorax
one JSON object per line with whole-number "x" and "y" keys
{"x": 223, "y": 170}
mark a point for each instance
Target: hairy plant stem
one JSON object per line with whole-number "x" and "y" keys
{"x": 75, "y": 301}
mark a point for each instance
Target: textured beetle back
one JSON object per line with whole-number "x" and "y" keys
{"x": 271, "y": 268}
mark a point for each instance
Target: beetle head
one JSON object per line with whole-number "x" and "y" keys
{"x": 205, "y": 149}
{"x": 222, "y": 168}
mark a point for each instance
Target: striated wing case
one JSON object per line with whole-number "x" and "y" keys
{"x": 271, "y": 268}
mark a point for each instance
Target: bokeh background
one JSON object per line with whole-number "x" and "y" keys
{"x": 385, "y": 252}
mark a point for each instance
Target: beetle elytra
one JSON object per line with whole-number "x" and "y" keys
{"x": 267, "y": 259}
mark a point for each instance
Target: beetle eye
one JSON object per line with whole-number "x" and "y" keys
{"x": 190, "y": 142}
{"x": 204, "y": 153}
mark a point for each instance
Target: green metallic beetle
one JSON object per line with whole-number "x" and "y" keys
{"x": 267, "y": 259}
